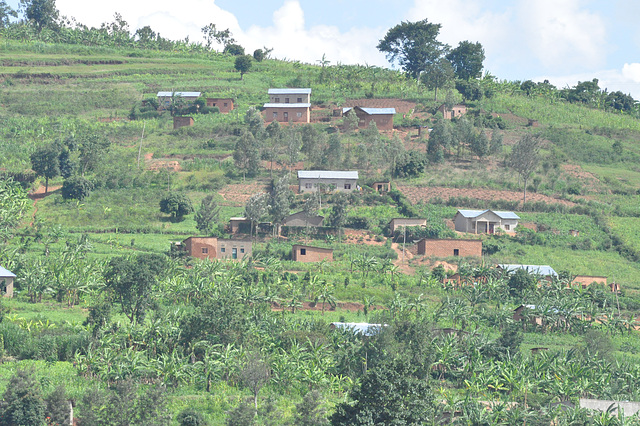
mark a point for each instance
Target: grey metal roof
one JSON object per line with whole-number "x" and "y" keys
{"x": 326, "y": 174}
{"x": 363, "y": 328}
{"x": 300, "y": 105}
{"x": 5, "y": 273}
{"x": 372, "y": 111}
{"x": 476, "y": 213}
{"x": 181, "y": 94}
{"x": 545, "y": 270}
{"x": 290, "y": 91}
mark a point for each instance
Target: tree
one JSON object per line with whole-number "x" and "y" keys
{"x": 413, "y": 45}
{"x": 524, "y": 158}
{"x": 390, "y": 394}
{"x": 310, "y": 412}
{"x": 254, "y": 119}
{"x": 256, "y": 208}
{"x": 22, "y": 402}
{"x": 46, "y": 163}
{"x": 470, "y": 90}
{"x": 243, "y": 64}
{"x": 131, "y": 280}
{"x": 338, "y": 215}
{"x": 246, "y": 156}
{"x": 495, "y": 146}
{"x": 13, "y": 203}
{"x": 333, "y": 153}
{"x": 76, "y": 188}
{"x": 58, "y": 407}
{"x": 258, "y": 55}
{"x": 438, "y": 75}
{"x": 92, "y": 149}
{"x": 5, "y": 13}
{"x": 255, "y": 375}
{"x": 233, "y": 49}
{"x": 480, "y": 144}
{"x": 467, "y": 60}
{"x": 521, "y": 281}
{"x": 41, "y": 13}
{"x": 207, "y": 215}
{"x": 177, "y": 205}
{"x": 280, "y": 201}
{"x": 441, "y": 137}
{"x": 410, "y": 164}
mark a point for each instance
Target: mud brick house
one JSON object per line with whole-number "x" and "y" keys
{"x": 543, "y": 270}
{"x": 6, "y": 282}
{"x": 288, "y": 105}
{"x": 381, "y": 187}
{"x": 301, "y": 219}
{"x": 587, "y": 280}
{"x": 302, "y": 253}
{"x": 164, "y": 98}
{"x": 225, "y": 105}
{"x": 216, "y": 248}
{"x": 182, "y": 122}
{"x": 449, "y": 247}
{"x": 383, "y": 117}
{"x": 401, "y": 222}
{"x": 239, "y": 224}
{"x": 453, "y": 112}
{"x": 485, "y": 221}
{"x": 314, "y": 180}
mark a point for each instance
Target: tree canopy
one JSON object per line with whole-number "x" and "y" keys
{"x": 467, "y": 59}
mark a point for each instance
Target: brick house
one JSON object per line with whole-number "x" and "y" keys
{"x": 216, "y": 248}
{"x": 300, "y": 253}
{"x": 225, "y": 105}
{"x": 401, "y": 222}
{"x": 383, "y": 117}
{"x": 301, "y": 219}
{"x": 586, "y": 280}
{"x": 182, "y": 122}
{"x": 288, "y": 105}
{"x": 238, "y": 224}
{"x": 485, "y": 221}
{"x": 450, "y": 247}
{"x": 6, "y": 282}
{"x": 381, "y": 187}
{"x": 453, "y": 112}
{"x": 313, "y": 180}
{"x": 164, "y": 98}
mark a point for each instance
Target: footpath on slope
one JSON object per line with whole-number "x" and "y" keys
{"x": 38, "y": 195}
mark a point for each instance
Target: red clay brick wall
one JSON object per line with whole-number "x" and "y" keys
{"x": 195, "y": 245}
{"x": 586, "y": 280}
{"x": 182, "y": 122}
{"x": 292, "y": 115}
{"x": 445, "y": 248}
{"x": 220, "y": 103}
{"x": 313, "y": 254}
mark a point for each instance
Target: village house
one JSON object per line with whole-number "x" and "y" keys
{"x": 225, "y": 105}
{"x": 6, "y": 282}
{"x": 302, "y": 219}
{"x": 362, "y": 328}
{"x": 586, "y": 280}
{"x": 383, "y": 117}
{"x": 381, "y": 187}
{"x": 449, "y": 247}
{"x": 545, "y": 271}
{"x": 182, "y": 122}
{"x": 302, "y": 253}
{"x": 453, "y": 112}
{"x": 217, "y": 248}
{"x": 288, "y": 105}
{"x": 485, "y": 221}
{"x": 164, "y": 98}
{"x": 403, "y": 222}
{"x": 314, "y": 180}
{"x": 523, "y": 312}
{"x": 239, "y": 224}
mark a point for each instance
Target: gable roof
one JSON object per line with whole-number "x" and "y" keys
{"x": 372, "y": 111}
{"x": 298, "y": 105}
{"x": 5, "y": 273}
{"x": 545, "y": 270}
{"x": 289, "y": 91}
{"x": 475, "y": 213}
{"x": 303, "y": 214}
{"x": 182, "y": 94}
{"x": 327, "y": 174}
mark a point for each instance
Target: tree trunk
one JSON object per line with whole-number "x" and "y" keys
{"x": 436, "y": 90}
{"x": 525, "y": 192}
{"x": 46, "y": 185}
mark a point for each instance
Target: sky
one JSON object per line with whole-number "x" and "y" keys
{"x": 564, "y": 41}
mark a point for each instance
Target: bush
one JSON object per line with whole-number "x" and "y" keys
{"x": 190, "y": 417}
{"x": 233, "y": 49}
{"x": 76, "y": 188}
{"x": 177, "y": 205}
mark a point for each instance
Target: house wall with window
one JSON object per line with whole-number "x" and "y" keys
{"x": 287, "y": 113}
{"x": 201, "y": 247}
{"x": 6, "y": 282}
{"x": 225, "y": 105}
{"x": 302, "y": 253}
{"x": 289, "y": 96}
{"x": 400, "y": 222}
{"x": 450, "y": 247}
{"x": 328, "y": 180}
{"x": 234, "y": 249}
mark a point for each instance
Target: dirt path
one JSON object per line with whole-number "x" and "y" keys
{"x": 404, "y": 267}
{"x": 416, "y": 194}
{"x": 38, "y": 195}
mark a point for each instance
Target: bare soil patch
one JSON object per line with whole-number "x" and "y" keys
{"x": 416, "y": 194}
{"x": 359, "y": 236}
{"x": 310, "y": 306}
{"x": 238, "y": 194}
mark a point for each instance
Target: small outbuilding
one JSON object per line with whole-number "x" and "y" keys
{"x": 383, "y": 117}
{"x": 453, "y": 112}
{"x": 381, "y": 187}
{"x": 182, "y": 122}
{"x": 302, "y": 253}
{"x": 165, "y": 98}
{"x": 225, "y": 105}
{"x": 403, "y": 222}
{"x": 302, "y": 219}
{"x": 239, "y": 224}
{"x": 6, "y": 282}
{"x": 450, "y": 247}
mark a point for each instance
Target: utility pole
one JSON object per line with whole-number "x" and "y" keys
{"x": 404, "y": 241}
{"x": 144, "y": 124}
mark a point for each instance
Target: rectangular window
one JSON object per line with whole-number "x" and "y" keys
{"x": 347, "y": 186}
{"x": 456, "y": 252}
{"x": 222, "y": 250}
{"x": 299, "y": 100}
{"x": 308, "y": 185}
{"x": 234, "y": 253}
{"x": 506, "y": 227}
{"x": 205, "y": 250}
{"x": 277, "y": 100}
{"x": 286, "y": 116}
{"x": 225, "y": 104}
{"x": 286, "y": 100}
{"x": 241, "y": 250}
{"x": 299, "y": 114}
{"x": 275, "y": 115}
{"x": 303, "y": 252}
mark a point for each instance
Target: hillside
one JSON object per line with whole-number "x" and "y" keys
{"x": 201, "y": 328}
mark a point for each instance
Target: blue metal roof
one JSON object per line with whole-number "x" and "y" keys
{"x": 545, "y": 270}
{"x": 5, "y": 273}
{"x": 476, "y": 213}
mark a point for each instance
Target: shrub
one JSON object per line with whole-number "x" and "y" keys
{"x": 177, "y": 205}
{"x": 190, "y": 417}
{"x": 76, "y": 188}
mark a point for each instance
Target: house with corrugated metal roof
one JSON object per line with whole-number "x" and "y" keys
{"x": 362, "y": 328}
{"x": 383, "y": 117}
{"x": 542, "y": 270}
{"x": 327, "y": 180}
{"x": 164, "y": 98}
{"x": 485, "y": 221}
{"x": 6, "y": 282}
{"x": 288, "y": 105}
